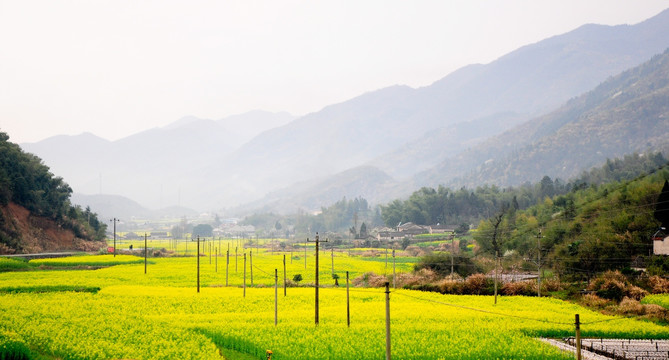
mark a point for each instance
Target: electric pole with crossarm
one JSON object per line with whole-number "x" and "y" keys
{"x": 317, "y": 241}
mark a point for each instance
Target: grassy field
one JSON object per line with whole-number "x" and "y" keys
{"x": 123, "y": 313}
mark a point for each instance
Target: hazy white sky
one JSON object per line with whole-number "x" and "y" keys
{"x": 117, "y": 67}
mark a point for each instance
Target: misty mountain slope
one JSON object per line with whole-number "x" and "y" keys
{"x": 376, "y": 127}
{"x": 628, "y": 113}
{"x": 365, "y": 181}
{"x": 153, "y": 166}
{"x": 436, "y": 145}
{"x": 110, "y": 206}
{"x": 529, "y": 81}
{"x": 553, "y": 70}
{"x": 369, "y": 129}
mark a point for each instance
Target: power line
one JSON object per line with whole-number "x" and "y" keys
{"x": 483, "y": 311}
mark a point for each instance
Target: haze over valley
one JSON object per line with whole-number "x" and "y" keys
{"x": 386, "y": 143}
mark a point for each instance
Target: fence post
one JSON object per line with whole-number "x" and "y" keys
{"x": 276, "y": 295}
{"x": 244, "y": 274}
{"x": 578, "y": 338}
{"x": 198, "y": 264}
{"x": 387, "y": 320}
{"x": 348, "y": 304}
{"x": 145, "y": 253}
{"x": 394, "y": 274}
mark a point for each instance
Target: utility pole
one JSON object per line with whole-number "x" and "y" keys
{"x": 145, "y": 242}
{"x": 244, "y": 274}
{"x": 317, "y": 241}
{"x": 386, "y": 270}
{"x": 452, "y": 255}
{"x": 387, "y": 321}
{"x": 348, "y": 304}
{"x": 578, "y": 337}
{"x": 394, "y": 274}
{"x": 115, "y": 220}
{"x": 539, "y": 264}
{"x": 198, "y": 263}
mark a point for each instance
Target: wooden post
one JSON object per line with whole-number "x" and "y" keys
{"x": 216, "y": 250}
{"x": 539, "y": 264}
{"x": 578, "y": 338}
{"x": 387, "y": 320}
{"x": 198, "y": 264}
{"x": 284, "y": 275}
{"x": 227, "y": 264}
{"x": 316, "y": 307}
{"x": 251, "y": 265}
{"x": 145, "y": 244}
{"x": 386, "y": 270}
{"x": 317, "y": 241}
{"x": 244, "y": 275}
{"x": 452, "y": 255}
{"x": 276, "y": 296}
{"x": 496, "y": 272}
{"x": 394, "y": 274}
{"x": 348, "y": 304}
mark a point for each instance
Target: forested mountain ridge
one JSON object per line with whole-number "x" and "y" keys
{"x": 35, "y": 211}
{"x": 625, "y": 114}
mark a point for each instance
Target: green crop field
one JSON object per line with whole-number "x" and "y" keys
{"x": 122, "y": 313}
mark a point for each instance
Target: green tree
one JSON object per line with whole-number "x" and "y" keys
{"x": 203, "y": 230}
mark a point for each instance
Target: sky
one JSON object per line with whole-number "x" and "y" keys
{"x": 114, "y": 68}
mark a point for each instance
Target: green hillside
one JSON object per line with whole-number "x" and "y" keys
{"x": 36, "y": 206}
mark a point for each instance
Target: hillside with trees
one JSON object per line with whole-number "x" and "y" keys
{"x": 625, "y": 114}
{"x": 455, "y": 207}
{"x": 36, "y": 214}
{"x": 587, "y": 230}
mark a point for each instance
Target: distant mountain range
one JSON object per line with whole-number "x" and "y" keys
{"x": 109, "y": 206}
{"x": 386, "y": 143}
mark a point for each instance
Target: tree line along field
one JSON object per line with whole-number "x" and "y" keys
{"x": 160, "y": 315}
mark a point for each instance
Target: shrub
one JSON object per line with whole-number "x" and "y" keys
{"x": 477, "y": 284}
{"x": 370, "y": 279}
{"x": 658, "y": 284}
{"x": 550, "y": 285}
{"x": 407, "y": 280}
{"x": 635, "y": 292}
{"x": 450, "y": 286}
{"x": 527, "y": 288}
{"x": 656, "y": 311}
{"x": 629, "y": 306}
{"x": 611, "y": 285}
{"x": 592, "y": 300}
